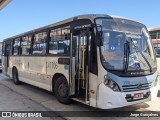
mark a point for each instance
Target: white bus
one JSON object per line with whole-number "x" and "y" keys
{"x": 99, "y": 60}
{"x": 155, "y": 36}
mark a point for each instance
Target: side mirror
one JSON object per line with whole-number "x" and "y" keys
{"x": 99, "y": 37}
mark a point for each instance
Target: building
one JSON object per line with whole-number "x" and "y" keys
{"x": 4, "y": 3}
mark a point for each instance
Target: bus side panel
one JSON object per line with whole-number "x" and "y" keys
{"x": 31, "y": 70}
{"x": 15, "y": 62}
{"x": 53, "y": 67}
{"x": 4, "y": 65}
{"x": 37, "y": 71}
{"x": 93, "y": 81}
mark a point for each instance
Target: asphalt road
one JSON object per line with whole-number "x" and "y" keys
{"x": 11, "y": 100}
{"x": 25, "y": 97}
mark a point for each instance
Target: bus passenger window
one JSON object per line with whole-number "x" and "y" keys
{"x": 60, "y": 41}
{"x": 26, "y": 45}
{"x": 39, "y": 45}
{"x": 7, "y": 49}
{"x": 59, "y": 47}
{"x": 16, "y": 47}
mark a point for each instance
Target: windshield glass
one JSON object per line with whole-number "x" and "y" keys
{"x": 115, "y": 34}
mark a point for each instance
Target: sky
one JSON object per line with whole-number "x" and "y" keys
{"x": 24, "y": 15}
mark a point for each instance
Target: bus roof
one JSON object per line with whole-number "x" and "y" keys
{"x": 86, "y": 16}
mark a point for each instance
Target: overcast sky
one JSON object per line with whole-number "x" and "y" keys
{"x": 24, "y": 15}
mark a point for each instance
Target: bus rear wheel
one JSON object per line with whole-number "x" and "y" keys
{"x": 62, "y": 91}
{"x": 15, "y": 77}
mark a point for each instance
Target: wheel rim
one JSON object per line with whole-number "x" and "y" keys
{"x": 63, "y": 90}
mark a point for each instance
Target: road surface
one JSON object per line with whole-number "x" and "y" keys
{"x": 25, "y": 97}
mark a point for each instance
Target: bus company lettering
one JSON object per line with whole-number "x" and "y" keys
{"x": 52, "y": 65}
{"x": 18, "y": 63}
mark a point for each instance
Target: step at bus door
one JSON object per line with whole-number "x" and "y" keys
{"x": 80, "y": 58}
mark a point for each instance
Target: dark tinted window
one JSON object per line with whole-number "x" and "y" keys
{"x": 153, "y": 36}
{"x": 39, "y": 44}
{"x": 26, "y": 45}
{"x": 60, "y": 41}
{"x": 16, "y": 46}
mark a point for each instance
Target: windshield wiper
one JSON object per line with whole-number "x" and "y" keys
{"x": 137, "y": 50}
{"x": 126, "y": 56}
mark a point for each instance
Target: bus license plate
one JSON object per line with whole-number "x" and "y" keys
{"x": 138, "y": 95}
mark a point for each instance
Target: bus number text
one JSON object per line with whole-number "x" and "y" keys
{"x": 52, "y": 65}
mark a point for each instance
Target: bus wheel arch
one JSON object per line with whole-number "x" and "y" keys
{"x": 15, "y": 76}
{"x": 61, "y": 88}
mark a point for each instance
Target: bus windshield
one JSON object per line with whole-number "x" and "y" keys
{"x": 116, "y": 32}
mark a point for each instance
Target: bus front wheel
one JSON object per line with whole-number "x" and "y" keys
{"x": 62, "y": 90}
{"x": 15, "y": 77}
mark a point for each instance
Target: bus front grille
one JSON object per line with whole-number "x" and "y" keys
{"x": 137, "y": 87}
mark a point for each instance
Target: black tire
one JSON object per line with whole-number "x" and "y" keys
{"x": 62, "y": 91}
{"x": 15, "y": 77}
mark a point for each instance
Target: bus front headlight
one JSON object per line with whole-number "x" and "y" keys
{"x": 111, "y": 84}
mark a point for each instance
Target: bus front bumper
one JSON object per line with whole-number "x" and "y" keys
{"x": 108, "y": 99}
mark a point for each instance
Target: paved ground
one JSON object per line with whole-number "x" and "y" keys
{"x": 29, "y": 98}
{"x": 11, "y": 100}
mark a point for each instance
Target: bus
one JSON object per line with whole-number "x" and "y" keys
{"x": 155, "y": 37}
{"x": 100, "y": 60}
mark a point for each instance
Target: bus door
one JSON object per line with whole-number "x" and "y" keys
{"x": 80, "y": 57}
{"x": 6, "y": 58}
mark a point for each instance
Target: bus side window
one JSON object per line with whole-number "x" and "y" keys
{"x": 7, "y": 50}
{"x": 26, "y": 45}
{"x": 16, "y": 47}
{"x": 60, "y": 41}
{"x": 39, "y": 44}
